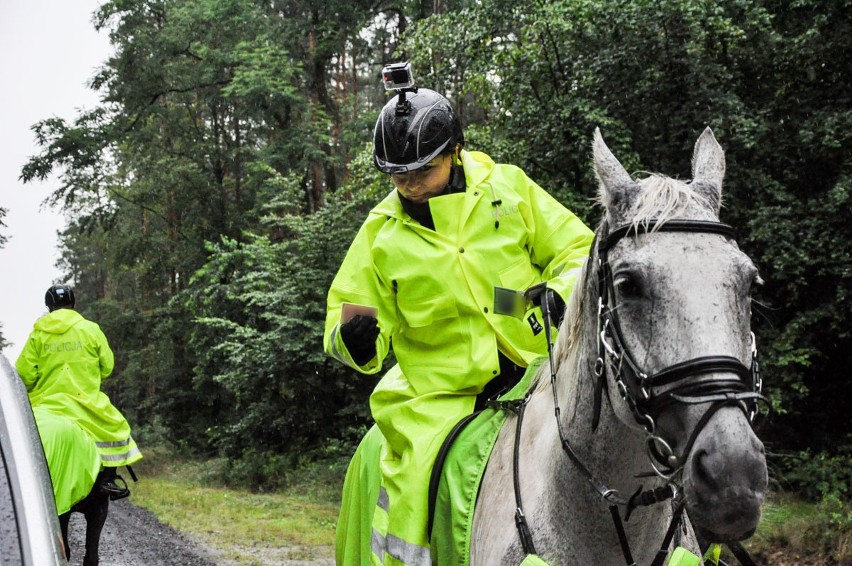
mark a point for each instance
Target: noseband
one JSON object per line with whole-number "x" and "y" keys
{"x": 637, "y": 387}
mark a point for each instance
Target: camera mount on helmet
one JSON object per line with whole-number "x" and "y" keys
{"x": 398, "y": 77}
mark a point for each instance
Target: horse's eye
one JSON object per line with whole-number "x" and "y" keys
{"x": 755, "y": 282}
{"x": 626, "y": 286}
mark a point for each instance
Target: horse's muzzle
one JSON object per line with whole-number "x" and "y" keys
{"x": 725, "y": 478}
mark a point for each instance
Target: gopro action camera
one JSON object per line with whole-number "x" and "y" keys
{"x": 397, "y": 76}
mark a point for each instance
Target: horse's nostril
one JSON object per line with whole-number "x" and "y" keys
{"x": 701, "y": 463}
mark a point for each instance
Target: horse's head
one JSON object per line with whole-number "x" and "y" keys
{"x": 676, "y": 340}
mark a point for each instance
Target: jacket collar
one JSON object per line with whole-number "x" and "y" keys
{"x": 477, "y": 168}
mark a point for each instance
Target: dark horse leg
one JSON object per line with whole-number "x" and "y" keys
{"x": 94, "y": 508}
{"x": 96, "y": 513}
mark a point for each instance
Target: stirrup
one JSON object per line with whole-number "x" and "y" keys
{"x": 114, "y": 490}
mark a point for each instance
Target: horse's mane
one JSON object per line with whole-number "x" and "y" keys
{"x": 663, "y": 198}
{"x": 571, "y": 331}
{"x": 659, "y": 197}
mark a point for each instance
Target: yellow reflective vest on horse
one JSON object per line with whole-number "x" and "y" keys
{"x": 71, "y": 455}
{"x": 434, "y": 291}
{"x": 62, "y": 365}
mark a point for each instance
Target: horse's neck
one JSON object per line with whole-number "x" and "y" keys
{"x": 613, "y": 454}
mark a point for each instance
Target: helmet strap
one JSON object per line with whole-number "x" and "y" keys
{"x": 457, "y": 184}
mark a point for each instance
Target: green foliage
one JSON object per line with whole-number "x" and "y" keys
{"x": 801, "y": 231}
{"x": 315, "y": 476}
{"x": 649, "y": 74}
{"x": 821, "y": 476}
{"x": 259, "y": 472}
{"x": 809, "y": 533}
{"x": 206, "y": 105}
{"x": 259, "y": 312}
{"x": 214, "y": 193}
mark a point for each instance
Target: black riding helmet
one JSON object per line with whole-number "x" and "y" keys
{"x": 59, "y": 296}
{"x": 412, "y": 132}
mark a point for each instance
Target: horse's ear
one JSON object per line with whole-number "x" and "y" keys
{"x": 708, "y": 167}
{"x": 617, "y": 189}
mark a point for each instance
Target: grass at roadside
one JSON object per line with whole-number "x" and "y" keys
{"x": 793, "y": 531}
{"x": 240, "y": 524}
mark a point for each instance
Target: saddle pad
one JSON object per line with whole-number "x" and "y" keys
{"x": 463, "y": 470}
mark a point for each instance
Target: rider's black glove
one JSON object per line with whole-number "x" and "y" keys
{"x": 359, "y": 335}
{"x": 555, "y": 305}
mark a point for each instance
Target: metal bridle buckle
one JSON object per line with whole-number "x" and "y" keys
{"x": 755, "y": 375}
{"x": 622, "y": 390}
{"x": 643, "y": 379}
{"x": 607, "y": 346}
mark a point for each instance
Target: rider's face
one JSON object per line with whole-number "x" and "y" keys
{"x": 422, "y": 184}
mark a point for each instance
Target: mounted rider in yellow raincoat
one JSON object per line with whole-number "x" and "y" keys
{"x": 62, "y": 365}
{"x": 421, "y": 275}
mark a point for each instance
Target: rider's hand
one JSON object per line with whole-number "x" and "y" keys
{"x": 359, "y": 336}
{"x": 555, "y": 305}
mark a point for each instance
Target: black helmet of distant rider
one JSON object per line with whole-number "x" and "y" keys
{"x": 59, "y": 297}
{"x": 412, "y": 132}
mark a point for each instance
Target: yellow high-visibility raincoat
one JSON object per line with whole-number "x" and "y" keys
{"x": 62, "y": 365}
{"x": 434, "y": 291}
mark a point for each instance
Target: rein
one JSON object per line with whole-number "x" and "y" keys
{"x": 635, "y": 387}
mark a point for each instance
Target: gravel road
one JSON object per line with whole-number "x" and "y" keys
{"x": 133, "y": 536}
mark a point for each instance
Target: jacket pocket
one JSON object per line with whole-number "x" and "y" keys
{"x": 425, "y": 311}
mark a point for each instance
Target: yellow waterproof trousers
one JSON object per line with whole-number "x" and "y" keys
{"x": 414, "y": 427}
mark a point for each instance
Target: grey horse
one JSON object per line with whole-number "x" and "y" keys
{"x": 656, "y": 386}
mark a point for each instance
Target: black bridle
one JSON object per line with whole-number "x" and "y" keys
{"x": 637, "y": 389}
